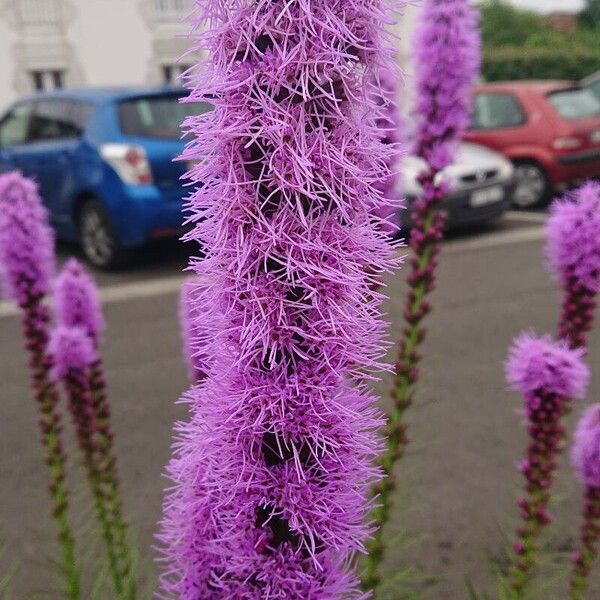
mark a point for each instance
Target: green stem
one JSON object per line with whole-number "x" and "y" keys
{"x": 544, "y": 413}
{"x": 80, "y": 404}
{"x": 406, "y": 375}
{"x": 524, "y": 561}
{"x": 35, "y": 324}
{"x": 110, "y": 479}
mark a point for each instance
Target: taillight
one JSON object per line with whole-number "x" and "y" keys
{"x": 567, "y": 143}
{"x": 130, "y": 162}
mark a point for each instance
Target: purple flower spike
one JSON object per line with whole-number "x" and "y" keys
{"x": 548, "y": 374}
{"x": 536, "y": 364}
{"x": 585, "y": 456}
{"x": 72, "y": 350}
{"x": 26, "y": 239}
{"x": 447, "y": 58}
{"x": 76, "y": 300}
{"x": 573, "y": 246}
{"x": 80, "y": 323}
{"x": 194, "y": 330}
{"x": 586, "y": 447}
{"x": 391, "y": 126}
{"x": 573, "y": 252}
{"x": 26, "y": 267}
{"x": 271, "y": 474}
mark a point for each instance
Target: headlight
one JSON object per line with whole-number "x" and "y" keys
{"x": 506, "y": 170}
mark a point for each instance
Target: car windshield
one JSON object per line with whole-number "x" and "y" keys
{"x": 576, "y": 103}
{"x": 157, "y": 116}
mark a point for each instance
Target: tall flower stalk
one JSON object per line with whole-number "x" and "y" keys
{"x": 80, "y": 324}
{"x": 194, "y": 330}
{"x": 73, "y": 353}
{"x": 446, "y": 57}
{"x": 272, "y": 472}
{"x": 390, "y": 126}
{"x": 573, "y": 252}
{"x": 547, "y": 374}
{"x": 26, "y": 265}
{"x": 586, "y": 461}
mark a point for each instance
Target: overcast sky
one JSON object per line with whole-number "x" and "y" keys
{"x": 549, "y": 5}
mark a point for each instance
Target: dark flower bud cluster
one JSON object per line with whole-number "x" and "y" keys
{"x": 585, "y": 456}
{"x": 548, "y": 375}
{"x": 573, "y": 253}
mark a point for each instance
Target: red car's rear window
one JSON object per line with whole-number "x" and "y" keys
{"x": 575, "y": 103}
{"x": 493, "y": 110}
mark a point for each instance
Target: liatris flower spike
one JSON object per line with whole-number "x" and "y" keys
{"x": 390, "y": 125}
{"x": 193, "y": 329}
{"x": 447, "y": 58}
{"x": 573, "y": 251}
{"x": 271, "y": 475}
{"x": 76, "y": 301}
{"x": 547, "y": 374}
{"x": 26, "y": 267}
{"x": 73, "y": 352}
{"x": 78, "y": 311}
{"x": 26, "y": 240}
{"x": 586, "y": 461}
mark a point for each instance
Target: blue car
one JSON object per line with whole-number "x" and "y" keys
{"x": 103, "y": 160}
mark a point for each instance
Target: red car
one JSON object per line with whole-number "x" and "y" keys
{"x": 549, "y": 129}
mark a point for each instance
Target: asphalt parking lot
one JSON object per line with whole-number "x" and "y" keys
{"x": 458, "y": 482}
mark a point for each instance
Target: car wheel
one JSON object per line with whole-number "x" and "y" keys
{"x": 531, "y": 185}
{"x": 98, "y": 240}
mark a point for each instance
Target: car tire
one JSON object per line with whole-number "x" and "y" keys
{"x": 99, "y": 241}
{"x": 532, "y": 188}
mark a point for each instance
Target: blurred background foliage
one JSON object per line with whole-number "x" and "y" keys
{"x": 521, "y": 44}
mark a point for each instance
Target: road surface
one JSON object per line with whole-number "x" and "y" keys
{"x": 458, "y": 483}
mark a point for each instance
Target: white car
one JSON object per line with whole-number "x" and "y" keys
{"x": 481, "y": 185}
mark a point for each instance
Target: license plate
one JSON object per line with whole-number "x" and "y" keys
{"x": 487, "y": 196}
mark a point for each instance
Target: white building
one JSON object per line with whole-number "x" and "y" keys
{"x": 46, "y": 44}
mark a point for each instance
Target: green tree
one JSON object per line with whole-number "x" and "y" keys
{"x": 590, "y": 15}
{"x": 504, "y": 25}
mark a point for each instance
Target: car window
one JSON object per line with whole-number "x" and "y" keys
{"x": 14, "y": 127}
{"x": 576, "y": 103}
{"x": 495, "y": 110}
{"x": 58, "y": 119}
{"x": 157, "y": 116}
{"x": 595, "y": 88}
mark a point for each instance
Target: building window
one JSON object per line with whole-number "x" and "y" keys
{"x": 44, "y": 81}
{"x": 172, "y": 72}
{"x": 38, "y": 12}
{"x": 171, "y": 10}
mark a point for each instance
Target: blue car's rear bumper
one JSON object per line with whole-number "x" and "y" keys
{"x": 145, "y": 212}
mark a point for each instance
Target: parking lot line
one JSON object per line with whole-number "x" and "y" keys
{"x": 119, "y": 292}
{"x": 149, "y": 288}
{"x": 527, "y": 217}
{"x": 493, "y": 240}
